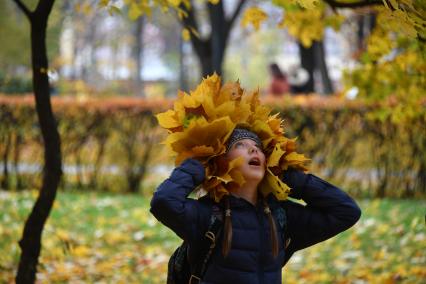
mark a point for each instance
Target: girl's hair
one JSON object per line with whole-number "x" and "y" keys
{"x": 273, "y": 229}
{"x": 227, "y": 234}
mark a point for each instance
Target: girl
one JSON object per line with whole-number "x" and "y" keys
{"x": 253, "y": 248}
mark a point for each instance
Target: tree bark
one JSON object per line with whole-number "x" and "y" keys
{"x": 138, "y": 55}
{"x": 313, "y": 58}
{"x": 101, "y": 139}
{"x": 5, "y": 181}
{"x": 307, "y": 60}
{"x": 200, "y": 46}
{"x": 211, "y": 51}
{"x": 321, "y": 66}
{"x": 358, "y": 4}
{"x": 183, "y": 85}
{"x": 365, "y": 24}
{"x": 30, "y": 242}
{"x": 16, "y": 157}
{"x": 219, "y": 35}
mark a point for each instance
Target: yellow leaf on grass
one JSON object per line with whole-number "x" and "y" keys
{"x": 81, "y": 251}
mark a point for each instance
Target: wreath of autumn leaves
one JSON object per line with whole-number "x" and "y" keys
{"x": 201, "y": 122}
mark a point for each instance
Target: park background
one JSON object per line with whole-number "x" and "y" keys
{"x": 114, "y": 64}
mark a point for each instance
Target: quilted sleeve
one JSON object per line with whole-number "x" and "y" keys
{"x": 170, "y": 203}
{"x": 328, "y": 210}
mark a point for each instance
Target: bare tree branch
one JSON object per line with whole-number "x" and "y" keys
{"x": 236, "y": 13}
{"x": 362, "y": 3}
{"x": 23, "y": 8}
{"x": 190, "y": 23}
{"x": 44, "y": 8}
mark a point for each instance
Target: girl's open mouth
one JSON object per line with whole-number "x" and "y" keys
{"x": 254, "y": 162}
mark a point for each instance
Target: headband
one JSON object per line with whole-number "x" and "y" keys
{"x": 240, "y": 134}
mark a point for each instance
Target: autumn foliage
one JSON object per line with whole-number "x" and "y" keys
{"x": 201, "y": 122}
{"x": 112, "y": 238}
{"x": 109, "y": 143}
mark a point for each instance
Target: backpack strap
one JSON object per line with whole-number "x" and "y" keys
{"x": 208, "y": 244}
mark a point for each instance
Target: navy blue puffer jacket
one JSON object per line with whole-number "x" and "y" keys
{"x": 328, "y": 212}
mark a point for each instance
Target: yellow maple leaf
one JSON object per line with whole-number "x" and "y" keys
{"x": 201, "y": 138}
{"x": 253, "y": 16}
{"x": 293, "y": 159}
{"x": 134, "y": 11}
{"x": 174, "y": 3}
{"x": 308, "y": 4}
{"x": 229, "y": 91}
{"x": 186, "y": 35}
{"x": 274, "y": 158}
{"x": 305, "y": 25}
{"x": 223, "y": 176}
{"x": 168, "y": 119}
{"x": 202, "y": 121}
{"x": 273, "y": 184}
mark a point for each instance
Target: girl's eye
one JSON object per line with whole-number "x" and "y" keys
{"x": 239, "y": 144}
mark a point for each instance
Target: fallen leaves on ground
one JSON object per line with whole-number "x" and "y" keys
{"x": 106, "y": 238}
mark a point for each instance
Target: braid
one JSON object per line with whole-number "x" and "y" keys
{"x": 227, "y": 235}
{"x": 273, "y": 229}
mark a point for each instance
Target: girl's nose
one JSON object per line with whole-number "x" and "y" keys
{"x": 252, "y": 149}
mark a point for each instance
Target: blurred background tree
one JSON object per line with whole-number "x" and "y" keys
{"x": 15, "y": 75}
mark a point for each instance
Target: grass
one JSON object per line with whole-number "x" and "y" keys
{"x": 107, "y": 238}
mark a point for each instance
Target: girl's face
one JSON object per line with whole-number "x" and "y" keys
{"x": 254, "y": 165}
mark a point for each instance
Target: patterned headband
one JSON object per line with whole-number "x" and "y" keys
{"x": 241, "y": 133}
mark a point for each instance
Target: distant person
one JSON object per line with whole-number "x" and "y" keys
{"x": 278, "y": 85}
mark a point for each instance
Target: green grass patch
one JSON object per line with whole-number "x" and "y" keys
{"x": 112, "y": 238}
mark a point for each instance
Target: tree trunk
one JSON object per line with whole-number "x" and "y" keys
{"x": 183, "y": 85}
{"x": 138, "y": 55}
{"x": 219, "y": 35}
{"x": 321, "y": 66}
{"x": 16, "y": 157}
{"x": 78, "y": 169}
{"x": 313, "y": 58}
{"x": 30, "y": 242}
{"x": 211, "y": 51}
{"x": 307, "y": 60}
{"x": 101, "y": 141}
{"x": 421, "y": 177}
{"x": 137, "y": 172}
{"x": 383, "y": 182}
{"x": 206, "y": 63}
{"x": 5, "y": 181}
{"x": 365, "y": 24}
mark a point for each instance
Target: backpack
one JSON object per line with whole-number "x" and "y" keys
{"x": 179, "y": 270}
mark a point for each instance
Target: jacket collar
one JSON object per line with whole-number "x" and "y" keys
{"x": 238, "y": 202}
